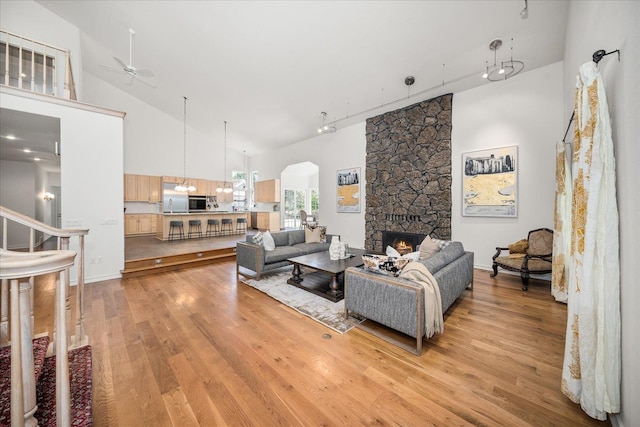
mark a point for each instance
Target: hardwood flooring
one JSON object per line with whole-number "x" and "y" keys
{"x": 195, "y": 347}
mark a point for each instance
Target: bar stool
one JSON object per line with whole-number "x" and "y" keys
{"x": 213, "y": 227}
{"x": 241, "y": 225}
{"x": 179, "y": 230}
{"x": 227, "y": 226}
{"x": 195, "y": 224}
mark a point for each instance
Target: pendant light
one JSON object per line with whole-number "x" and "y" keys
{"x": 506, "y": 69}
{"x": 184, "y": 185}
{"x": 224, "y": 188}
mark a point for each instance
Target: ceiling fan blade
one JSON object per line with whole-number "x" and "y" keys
{"x": 119, "y": 61}
{"x": 111, "y": 69}
{"x": 151, "y": 85}
{"x": 145, "y": 73}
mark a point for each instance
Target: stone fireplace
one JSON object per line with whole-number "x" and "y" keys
{"x": 408, "y": 172}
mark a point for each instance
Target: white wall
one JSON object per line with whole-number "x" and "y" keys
{"x": 29, "y": 19}
{"x": 154, "y": 140}
{"x": 91, "y": 180}
{"x": 612, "y": 25}
{"x": 526, "y": 111}
{"x": 16, "y": 180}
{"x": 342, "y": 150}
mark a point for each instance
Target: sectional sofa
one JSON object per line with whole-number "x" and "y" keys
{"x": 289, "y": 244}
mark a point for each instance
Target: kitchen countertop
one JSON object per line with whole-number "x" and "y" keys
{"x": 203, "y": 213}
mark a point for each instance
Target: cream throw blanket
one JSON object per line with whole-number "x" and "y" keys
{"x": 418, "y": 273}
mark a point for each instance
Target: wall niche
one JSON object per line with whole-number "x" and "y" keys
{"x": 408, "y": 172}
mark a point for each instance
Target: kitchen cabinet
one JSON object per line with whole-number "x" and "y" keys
{"x": 135, "y": 224}
{"x": 265, "y": 220}
{"x": 267, "y": 191}
{"x": 223, "y": 197}
{"x": 142, "y": 188}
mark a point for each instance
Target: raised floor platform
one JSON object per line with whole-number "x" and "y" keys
{"x": 146, "y": 254}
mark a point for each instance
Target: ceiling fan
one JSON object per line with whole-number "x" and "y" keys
{"x": 133, "y": 72}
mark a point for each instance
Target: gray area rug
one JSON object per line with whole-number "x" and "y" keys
{"x": 330, "y": 314}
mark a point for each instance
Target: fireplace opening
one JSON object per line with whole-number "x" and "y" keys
{"x": 404, "y": 243}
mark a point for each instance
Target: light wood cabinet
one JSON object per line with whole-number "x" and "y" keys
{"x": 140, "y": 224}
{"x": 142, "y": 188}
{"x": 155, "y": 189}
{"x": 265, "y": 220}
{"x": 267, "y": 191}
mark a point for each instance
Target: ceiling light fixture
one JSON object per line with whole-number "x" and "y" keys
{"x": 48, "y": 196}
{"x": 11, "y": 137}
{"x": 184, "y": 185}
{"x": 324, "y": 128}
{"x": 506, "y": 69}
{"x": 224, "y": 188}
{"x": 524, "y": 13}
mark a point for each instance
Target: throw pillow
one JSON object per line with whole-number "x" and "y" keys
{"x": 519, "y": 247}
{"x": 412, "y": 256}
{"x": 383, "y": 264}
{"x": 257, "y": 238}
{"x": 428, "y": 247}
{"x": 312, "y": 228}
{"x": 268, "y": 242}
{"x": 442, "y": 243}
{"x": 312, "y": 234}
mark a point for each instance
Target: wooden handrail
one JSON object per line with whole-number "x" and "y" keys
{"x": 19, "y": 268}
{"x": 63, "y": 239}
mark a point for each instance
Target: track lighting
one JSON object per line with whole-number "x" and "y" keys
{"x": 324, "y": 128}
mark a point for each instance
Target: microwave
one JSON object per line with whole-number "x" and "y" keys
{"x": 197, "y": 203}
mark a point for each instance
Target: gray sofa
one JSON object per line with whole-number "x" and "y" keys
{"x": 399, "y": 303}
{"x": 289, "y": 244}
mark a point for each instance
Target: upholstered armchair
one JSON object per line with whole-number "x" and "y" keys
{"x": 531, "y": 256}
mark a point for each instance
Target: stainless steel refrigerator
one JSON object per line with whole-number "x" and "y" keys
{"x": 174, "y": 201}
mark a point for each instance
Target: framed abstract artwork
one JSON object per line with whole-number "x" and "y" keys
{"x": 348, "y": 190}
{"x": 490, "y": 182}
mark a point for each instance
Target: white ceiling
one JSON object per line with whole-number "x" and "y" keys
{"x": 269, "y": 68}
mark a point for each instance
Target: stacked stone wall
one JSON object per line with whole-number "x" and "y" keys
{"x": 408, "y": 172}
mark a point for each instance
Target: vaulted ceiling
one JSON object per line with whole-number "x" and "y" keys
{"x": 270, "y": 68}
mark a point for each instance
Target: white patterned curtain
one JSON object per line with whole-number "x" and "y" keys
{"x": 591, "y": 370}
{"x": 562, "y": 224}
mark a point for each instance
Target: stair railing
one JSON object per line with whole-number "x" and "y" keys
{"x": 35, "y": 66}
{"x": 63, "y": 237}
{"x": 19, "y": 268}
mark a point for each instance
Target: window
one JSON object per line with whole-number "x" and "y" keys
{"x": 239, "y": 179}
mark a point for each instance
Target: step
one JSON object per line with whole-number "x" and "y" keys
{"x": 80, "y": 380}
{"x": 173, "y": 262}
{"x": 40, "y": 346}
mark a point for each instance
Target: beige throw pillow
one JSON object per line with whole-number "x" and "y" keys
{"x": 312, "y": 235}
{"x": 428, "y": 247}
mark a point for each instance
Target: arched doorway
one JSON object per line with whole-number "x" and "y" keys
{"x": 300, "y": 183}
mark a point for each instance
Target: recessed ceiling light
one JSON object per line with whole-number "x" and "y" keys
{"x": 26, "y": 150}
{"x": 10, "y": 137}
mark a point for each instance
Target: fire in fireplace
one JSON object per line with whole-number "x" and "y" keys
{"x": 402, "y": 242}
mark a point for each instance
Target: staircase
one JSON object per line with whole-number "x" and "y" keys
{"x": 36, "y": 389}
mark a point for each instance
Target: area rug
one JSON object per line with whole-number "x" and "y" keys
{"x": 330, "y": 314}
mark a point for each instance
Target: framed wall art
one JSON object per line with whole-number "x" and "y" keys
{"x": 348, "y": 190}
{"x": 490, "y": 182}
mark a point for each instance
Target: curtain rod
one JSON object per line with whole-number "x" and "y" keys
{"x": 596, "y": 57}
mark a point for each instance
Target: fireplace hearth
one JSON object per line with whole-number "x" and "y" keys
{"x": 404, "y": 243}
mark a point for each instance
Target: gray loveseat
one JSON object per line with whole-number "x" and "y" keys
{"x": 399, "y": 303}
{"x": 289, "y": 244}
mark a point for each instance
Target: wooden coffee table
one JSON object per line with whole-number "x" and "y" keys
{"x": 328, "y": 278}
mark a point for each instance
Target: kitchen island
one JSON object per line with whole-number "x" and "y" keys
{"x": 163, "y": 228}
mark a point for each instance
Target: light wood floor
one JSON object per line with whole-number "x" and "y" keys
{"x": 195, "y": 347}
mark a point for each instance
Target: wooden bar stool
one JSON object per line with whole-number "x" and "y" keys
{"x": 227, "y": 226}
{"x": 241, "y": 225}
{"x": 176, "y": 230}
{"x": 195, "y": 228}
{"x": 213, "y": 227}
